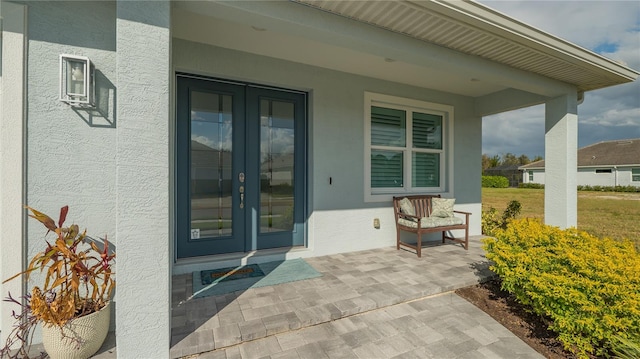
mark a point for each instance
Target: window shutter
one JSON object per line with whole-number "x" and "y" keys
{"x": 427, "y": 131}
{"x": 386, "y": 169}
{"x": 388, "y": 127}
{"x": 425, "y": 169}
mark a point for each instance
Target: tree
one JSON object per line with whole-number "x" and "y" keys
{"x": 523, "y": 160}
{"x": 510, "y": 159}
{"x": 489, "y": 162}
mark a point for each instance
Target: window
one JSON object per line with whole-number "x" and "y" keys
{"x": 530, "y": 176}
{"x": 405, "y": 146}
{"x": 603, "y": 170}
{"x": 635, "y": 175}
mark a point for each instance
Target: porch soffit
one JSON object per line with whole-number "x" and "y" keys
{"x": 474, "y": 29}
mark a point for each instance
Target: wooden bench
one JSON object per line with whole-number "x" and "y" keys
{"x": 423, "y": 222}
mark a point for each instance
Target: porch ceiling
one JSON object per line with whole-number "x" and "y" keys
{"x": 457, "y": 47}
{"x": 477, "y": 30}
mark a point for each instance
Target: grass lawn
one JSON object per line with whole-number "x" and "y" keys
{"x": 603, "y": 214}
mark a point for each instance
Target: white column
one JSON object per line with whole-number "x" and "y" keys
{"x": 561, "y": 164}
{"x": 143, "y": 272}
{"x": 12, "y": 157}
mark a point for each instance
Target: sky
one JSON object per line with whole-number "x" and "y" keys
{"x": 609, "y": 28}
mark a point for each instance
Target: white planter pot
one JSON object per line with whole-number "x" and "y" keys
{"x": 90, "y": 332}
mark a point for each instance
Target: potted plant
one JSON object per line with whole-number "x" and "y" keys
{"x": 73, "y": 302}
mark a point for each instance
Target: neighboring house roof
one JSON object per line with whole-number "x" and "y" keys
{"x": 477, "y": 30}
{"x": 605, "y": 153}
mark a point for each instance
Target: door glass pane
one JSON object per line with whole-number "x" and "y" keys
{"x": 426, "y": 169}
{"x": 386, "y": 169}
{"x": 211, "y": 126}
{"x": 276, "y": 165}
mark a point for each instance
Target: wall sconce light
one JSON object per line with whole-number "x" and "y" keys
{"x": 77, "y": 81}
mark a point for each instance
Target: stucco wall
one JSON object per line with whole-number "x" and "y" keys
{"x": 107, "y": 163}
{"x": 12, "y": 134}
{"x": 340, "y": 219}
{"x": 71, "y": 157}
{"x": 589, "y": 177}
{"x": 70, "y": 153}
{"x": 617, "y": 177}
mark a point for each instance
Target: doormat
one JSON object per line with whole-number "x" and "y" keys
{"x": 231, "y": 273}
{"x": 277, "y": 272}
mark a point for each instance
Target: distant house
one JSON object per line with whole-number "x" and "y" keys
{"x": 511, "y": 172}
{"x": 607, "y": 163}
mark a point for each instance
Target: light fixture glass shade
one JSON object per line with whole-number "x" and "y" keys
{"x": 76, "y": 80}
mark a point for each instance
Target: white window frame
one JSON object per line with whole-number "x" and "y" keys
{"x": 446, "y": 153}
{"x": 634, "y": 168}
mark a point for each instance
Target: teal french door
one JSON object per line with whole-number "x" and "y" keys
{"x": 240, "y": 164}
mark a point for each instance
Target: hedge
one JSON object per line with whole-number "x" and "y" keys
{"x": 632, "y": 189}
{"x": 495, "y": 182}
{"x": 609, "y": 188}
{"x": 588, "y": 287}
{"x": 531, "y": 185}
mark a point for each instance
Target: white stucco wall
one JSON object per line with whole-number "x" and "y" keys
{"x": 143, "y": 38}
{"x": 589, "y": 177}
{"x": 625, "y": 176}
{"x": 12, "y": 135}
{"x": 620, "y": 176}
{"x": 106, "y": 163}
{"x": 538, "y": 176}
{"x": 340, "y": 220}
{"x": 69, "y": 158}
{"x": 71, "y": 155}
{"x": 561, "y": 140}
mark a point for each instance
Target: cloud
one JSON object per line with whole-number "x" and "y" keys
{"x": 518, "y": 132}
{"x": 611, "y": 28}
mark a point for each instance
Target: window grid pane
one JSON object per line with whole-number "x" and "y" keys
{"x": 635, "y": 175}
{"x": 427, "y": 131}
{"x": 425, "y": 169}
{"x": 387, "y": 169}
{"x": 388, "y": 127}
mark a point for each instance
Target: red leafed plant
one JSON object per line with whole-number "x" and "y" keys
{"x": 78, "y": 278}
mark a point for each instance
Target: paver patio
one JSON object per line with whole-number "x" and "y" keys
{"x": 380, "y": 303}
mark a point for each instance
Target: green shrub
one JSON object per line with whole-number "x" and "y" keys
{"x": 531, "y": 185}
{"x": 495, "y": 182}
{"x": 588, "y": 287}
{"x": 631, "y": 189}
{"x": 491, "y": 221}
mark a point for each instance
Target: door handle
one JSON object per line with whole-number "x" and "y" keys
{"x": 241, "y": 190}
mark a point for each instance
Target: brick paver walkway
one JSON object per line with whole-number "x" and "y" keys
{"x": 380, "y": 303}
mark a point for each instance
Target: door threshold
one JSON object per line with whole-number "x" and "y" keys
{"x": 188, "y": 265}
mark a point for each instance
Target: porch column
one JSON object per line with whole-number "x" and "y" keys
{"x": 561, "y": 163}
{"x": 12, "y": 158}
{"x": 143, "y": 263}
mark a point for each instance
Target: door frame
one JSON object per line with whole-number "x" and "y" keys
{"x": 182, "y": 197}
